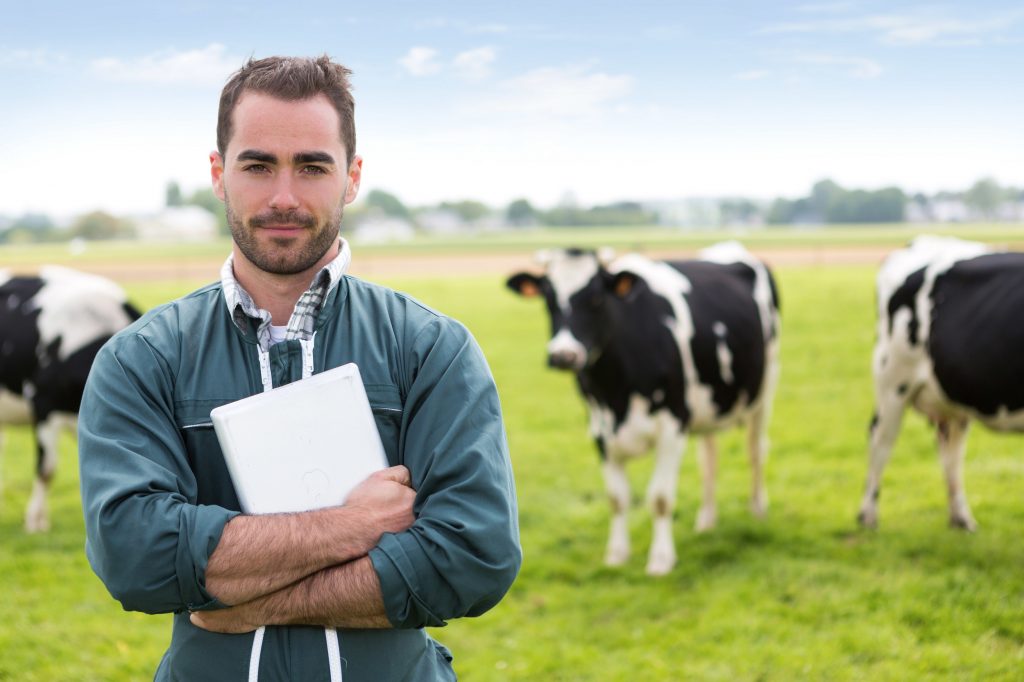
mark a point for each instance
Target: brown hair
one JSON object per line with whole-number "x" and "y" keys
{"x": 291, "y": 78}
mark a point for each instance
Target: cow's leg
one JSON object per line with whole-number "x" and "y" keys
{"x": 952, "y": 437}
{"x": 37, "y": 518}
{"x": 617, "y": 485}
{"x": 757, "y": 448}
{"x": 661, "y": 496}
{"x": 885, "y": 427}
{"x": 707, "y": 461}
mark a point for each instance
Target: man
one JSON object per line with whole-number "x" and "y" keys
{"x": 433, "y": 537}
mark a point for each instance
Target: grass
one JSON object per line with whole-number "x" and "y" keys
{"x": 803, "y": 594}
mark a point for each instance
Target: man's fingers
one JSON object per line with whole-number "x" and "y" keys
{"x": 398, "y": 474}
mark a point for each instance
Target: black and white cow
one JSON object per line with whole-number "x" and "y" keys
{"x": 51, "y": 328}
{"x": 660, "y": 350}
{"x": 949, "y": 340}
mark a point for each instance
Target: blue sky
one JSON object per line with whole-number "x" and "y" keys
{"x": 105, "y": 102}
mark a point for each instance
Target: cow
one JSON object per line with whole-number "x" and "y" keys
{"x": 948, "y": 344}
{"x": 661, "y": 350}
{"x": 51, "y": 327}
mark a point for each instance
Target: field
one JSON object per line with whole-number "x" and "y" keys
{"x": 801, "y": 595}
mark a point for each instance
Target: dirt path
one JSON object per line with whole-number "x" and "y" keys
{"x": 442, "y": 265}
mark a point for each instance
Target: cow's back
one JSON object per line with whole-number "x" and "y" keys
{"x": 976, "y": 335}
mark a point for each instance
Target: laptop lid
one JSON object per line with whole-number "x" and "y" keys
{"x": 301, "y": 446}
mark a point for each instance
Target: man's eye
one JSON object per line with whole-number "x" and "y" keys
{"x": 313, "y": 170}
{"x": 255, "y": 168}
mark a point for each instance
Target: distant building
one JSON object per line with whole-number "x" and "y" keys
{"x": 382, "y": 229}
{"x": 177, "y": 223}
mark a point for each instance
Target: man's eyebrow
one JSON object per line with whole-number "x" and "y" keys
{"x": 256, "y": 155}
{"x": 313, "y": 157}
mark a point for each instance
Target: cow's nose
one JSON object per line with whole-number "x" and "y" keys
{"x": 562, "y": 360}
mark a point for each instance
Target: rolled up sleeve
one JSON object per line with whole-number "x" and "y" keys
{"x": 462, "y": 554}
{"x": 146, "y": 538}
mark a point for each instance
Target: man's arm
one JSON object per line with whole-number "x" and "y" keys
{"x": 346, "y": 596}
{"x": 258, "y": 555}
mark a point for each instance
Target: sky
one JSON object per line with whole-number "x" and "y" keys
{"x": 103, "y": 103}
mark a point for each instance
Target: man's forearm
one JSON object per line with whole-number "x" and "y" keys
{"x": 258, "y": 555}
{"x": 346, "y": 596}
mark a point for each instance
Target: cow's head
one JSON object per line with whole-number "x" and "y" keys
{"x": 582, "y": 298}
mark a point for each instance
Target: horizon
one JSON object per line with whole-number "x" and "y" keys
{"x": 457, "y": 101}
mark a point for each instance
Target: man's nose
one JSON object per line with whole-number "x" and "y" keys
{"x": 284, "y": 197}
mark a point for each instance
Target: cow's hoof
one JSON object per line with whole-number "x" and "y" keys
{"x": 867, "y": 519}
{"x": 963, "y": 523}
{"x": 616, "y": 557}
{"x": 706, "y": 520}
{"x": 657, "y": 566}
{"x": 37, "y": 525}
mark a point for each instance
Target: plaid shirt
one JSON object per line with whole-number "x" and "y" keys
{"x": 307, "y": 308}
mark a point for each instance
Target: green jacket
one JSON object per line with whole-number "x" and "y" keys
{"x": 156, "y": 492}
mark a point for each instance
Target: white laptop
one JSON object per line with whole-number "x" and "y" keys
{"x": 302, "y": 446}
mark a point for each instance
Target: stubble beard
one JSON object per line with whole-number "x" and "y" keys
{"x": 287, "y": 258}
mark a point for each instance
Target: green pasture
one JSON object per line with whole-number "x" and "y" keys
{"x": 801, "y": 595}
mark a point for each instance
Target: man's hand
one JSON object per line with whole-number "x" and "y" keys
{"x": 384, "y": 503}
{"x": 232, "y": 621}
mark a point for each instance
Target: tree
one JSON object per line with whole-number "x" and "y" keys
{"x": 101, "y": 225}
{"x": 387, "y": 203}
{"x": 173, "y": 196}
{"x": 469, "y": 210}
{"x": 823, "y": 194}
{"x": 520, "y": 212}
{"x": 984, "y": 196}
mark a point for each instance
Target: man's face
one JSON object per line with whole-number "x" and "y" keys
{"x": 284, "y": 181}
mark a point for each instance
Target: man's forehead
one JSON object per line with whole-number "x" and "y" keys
{"x": 284, "y": 127}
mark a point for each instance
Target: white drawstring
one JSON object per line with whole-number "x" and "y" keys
{"x": 333, "y": 651}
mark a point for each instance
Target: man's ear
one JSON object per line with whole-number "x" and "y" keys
{"x": 355, "y": 176}
{"x": 623, "y": 283}
{"x": 217, "y": 174}
{"x": 524, "y": 284}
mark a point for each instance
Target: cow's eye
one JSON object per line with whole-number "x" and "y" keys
{"x": 596, "y": 301}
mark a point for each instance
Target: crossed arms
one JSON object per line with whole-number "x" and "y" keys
{"x": 310, "y": 568}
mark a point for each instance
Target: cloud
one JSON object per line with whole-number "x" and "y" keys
{"x": 908, "y": 29}
{"x": 474, "y": 65}
{"x": 206, "y": 66}
{"x": 560, "y": 91}
{"x": 857, "y": 67}
{"x": 39, "y": 58}
{"x": 419, "y": 61}
{"x": 753, "y": 75}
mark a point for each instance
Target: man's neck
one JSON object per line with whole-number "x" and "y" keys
{"x": 277, "y": 294}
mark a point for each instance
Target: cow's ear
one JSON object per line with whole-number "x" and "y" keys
{"x": 623, "y": 283}
{"x": 524, "y": 284}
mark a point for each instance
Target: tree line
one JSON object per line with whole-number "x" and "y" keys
{"x": 827, "y": 203}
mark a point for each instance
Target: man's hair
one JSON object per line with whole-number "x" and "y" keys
{"x": 293, "y": 79}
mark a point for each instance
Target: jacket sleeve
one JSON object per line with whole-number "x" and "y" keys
{"x": 462, "y": 553}
{"x": 146, "y": 538}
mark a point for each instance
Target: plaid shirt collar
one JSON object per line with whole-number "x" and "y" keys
{"x": 307, "y": 308}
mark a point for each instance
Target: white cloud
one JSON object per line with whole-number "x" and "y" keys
{"x": 560, "y": 91}
{"x": 206, "y": 66}
{"x": 36, "y": 58}
{"x": 474, "y": 65}
{"x": 753, "y": 75}
{"x": 908, "y": 29}
{"x": 857, "y": 67}
{"x": 419, "y": 61}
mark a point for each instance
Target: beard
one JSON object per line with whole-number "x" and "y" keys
{"x": 285, "y": 256}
